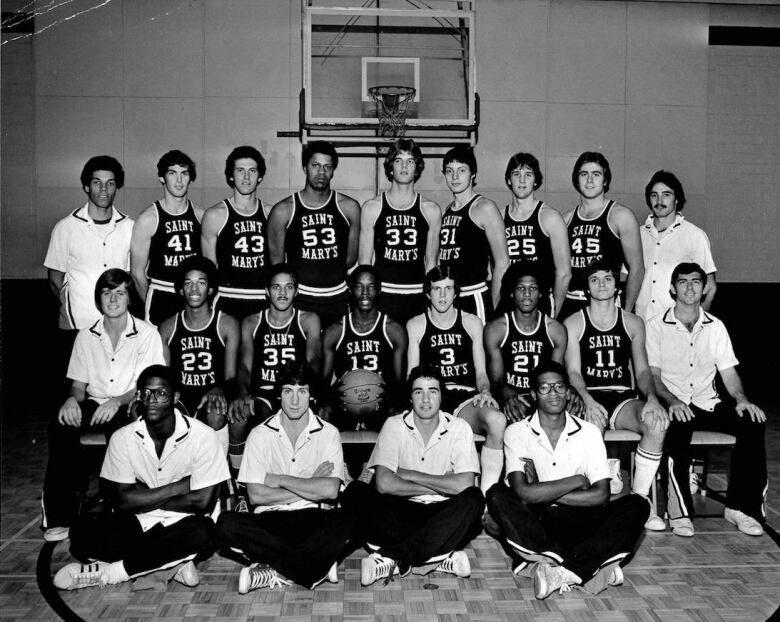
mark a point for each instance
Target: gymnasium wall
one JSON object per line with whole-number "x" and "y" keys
{"x": 636, "y": 80}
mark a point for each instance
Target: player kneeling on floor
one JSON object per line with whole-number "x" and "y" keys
{"x": 555, "y": 512}
{"x": 424, "y": 508}
{"x": 163, "y": 473}
{"x": 292, "y": 468}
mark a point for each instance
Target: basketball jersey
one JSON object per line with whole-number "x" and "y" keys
{"x": 522, "y": 352}
{"x": 464, "y": 246}
{"x": 273, "y": 347}
{"x": 197, "y": 358}
{"x": 241, "y": 250}
{"x": 591, "y": 240}
{"x": 526, "y": 242}
{"x": 316, "y": 246}
{"x": 605, "y": 355}
{"x": 449, "y": 349}
{"x": 174, "y": 239}
{"x": 372, "y": 350}
{"x": 400, "y": 236}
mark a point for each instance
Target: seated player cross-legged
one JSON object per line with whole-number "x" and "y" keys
{"x": 686, "y": 347}
{"x": 201, "y": 344}
{"x": 367, "y": 339}
{"x": 424, "y": 508}
{"x": 558, "y": 522}
{"x": 292, "y": 469}
{"x": 451, "y": 340}
{"x": 606, "y": 350}
{"x": 104, "y": 365}
{"x": 163, "y": 473}
{"x": 518, "y": 341}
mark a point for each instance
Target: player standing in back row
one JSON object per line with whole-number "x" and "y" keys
{"x": 471, "y": 233}
{"x": 234, "y": 236}
{"x": 399, "y": 233}
{"x": 317, "y": 230}
{"x": 165, "y": 233}
{"x": 600, "y": 229}
{"x": 536, "y": 233}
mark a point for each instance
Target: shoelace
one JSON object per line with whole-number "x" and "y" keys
{"x": 565, "y": 587}
{"x": 447, "y": 565}
{"x": 388, "y": 567}
{"x": 277, "y": 581}
{"x": 90, "y": 575}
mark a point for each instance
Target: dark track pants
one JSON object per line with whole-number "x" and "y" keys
{"x": 582, "y": 539}
{"x": 117, "y": 536}
{"x": 748, "y": 480}
{"x": 301, "y": 545}
{"x": 413, "y": 533}
{"x": 66, "y": 464}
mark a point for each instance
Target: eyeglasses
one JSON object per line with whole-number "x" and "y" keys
{"x": 546, "y": 387}
{"x": 161, "y": 395}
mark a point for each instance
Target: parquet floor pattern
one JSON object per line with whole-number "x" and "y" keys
{"x": 718, "y": 575}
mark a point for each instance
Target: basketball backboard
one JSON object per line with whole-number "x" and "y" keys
{"x": 350, "y": 46}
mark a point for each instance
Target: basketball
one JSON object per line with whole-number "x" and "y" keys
{"x": 361, "y": 392}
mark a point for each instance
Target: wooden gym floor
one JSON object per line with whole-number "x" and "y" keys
{"x": 718, "y": 575}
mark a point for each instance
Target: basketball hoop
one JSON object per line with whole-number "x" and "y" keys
{"x": 392, "y": 103}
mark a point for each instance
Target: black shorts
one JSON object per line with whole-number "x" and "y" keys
{"x": 402, "y": 307}
{"x": 330, "y": 309}
{"x": 480, "y": 304}
{"x": 267, "y": 401}
{"x": 613, "y": 401}
{"x": 161, "y": 304}
{"x": 454, "y": 400}
{"x": 239, "y": 308}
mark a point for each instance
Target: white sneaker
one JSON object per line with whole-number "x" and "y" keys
{"x": 76, "y": 576}
{"x": 682, "y": 527}
{"x": 259, "y": 575}
{"x": 56, "y": 534}
{"x": 693, "y": 481}
{"x": 655, "y": 522}
{"x": 746, "y": 524}
{"x": 548, "y": 578}
{"x": 375, "y": 567}
{"x": 616, "y": 578}
{"x": 616, "y": 477}
{"x": 187, "y": 575}
{"x": 457, "y": 563}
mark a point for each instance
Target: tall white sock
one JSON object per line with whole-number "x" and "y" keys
{"x": 645, "y": 467}
{"x": 491, "y": 461}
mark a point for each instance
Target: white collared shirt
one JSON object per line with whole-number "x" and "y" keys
{"x": 681, "y": 242}
{"x": 83, "y": 251}
{"x": 689, "y": 360}
{"x": 193, "y": 450}
{"x": 449, "y": 449}
{"x": 110, "y": 372}
{"x": 269, "y": 450}
{"x": 580, "y": 450}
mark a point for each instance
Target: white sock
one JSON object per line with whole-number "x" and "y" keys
{"x": 235, "y": 454}
{"x": 491, "y": 461}
{"x": 645, "y": 467}
{"x": 116, "y": 573}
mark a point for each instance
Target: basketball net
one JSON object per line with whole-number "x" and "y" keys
{"x": 392, "y": 103}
